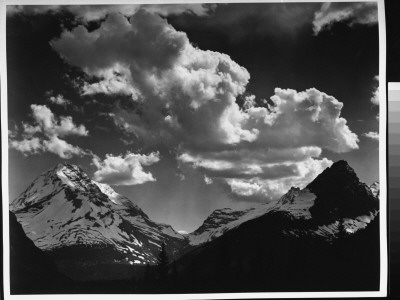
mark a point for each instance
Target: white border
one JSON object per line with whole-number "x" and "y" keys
{"x": 382, "y": 149}
{"x": 393, "y": 86}
{"x": 382, "y": 162}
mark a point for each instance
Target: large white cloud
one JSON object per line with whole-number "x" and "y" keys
{"x": 185, "y": 97}
{"x": 355, "y": 12}
{"x": 125, "y": 170}
{"x": 309, "y": 118}
{"x": 45, "y": 132}
{"x": 179, "y": 86}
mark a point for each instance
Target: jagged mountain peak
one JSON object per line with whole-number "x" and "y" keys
{"x": 339, "y": 174}
{"x": 289, "y": 196}
{"x": 340, "y": 193}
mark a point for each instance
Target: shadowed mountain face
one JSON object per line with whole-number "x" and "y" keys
{"x": 340, "y": 194}
{"x": 257, "y": 257}
{"x": 31, "y": 270}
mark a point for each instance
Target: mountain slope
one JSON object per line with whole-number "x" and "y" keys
{"x": 335, "y": 196}
{"x": 31, "y": 270}
{"x": 324, "y": 237}
{"x": 63, "y": 209}
{"x": 257, "y": 257}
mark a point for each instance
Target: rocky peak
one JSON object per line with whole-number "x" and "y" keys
{"x": 340, "y": 174}
{"x": 289, "y": 196}
{"x": 339, "y": 193}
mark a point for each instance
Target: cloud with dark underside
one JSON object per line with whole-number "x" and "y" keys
{"x": 47, "y": 133}
{"x": 185, "y": 97}
{"x": 125, "y": 169}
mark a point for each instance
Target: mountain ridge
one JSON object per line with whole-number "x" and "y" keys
{"x": 63, "y": 211}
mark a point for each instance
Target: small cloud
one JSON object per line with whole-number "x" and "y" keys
{"x": 183, "y": 232}
{"x": 125, "y": 170}
{"x": 372, "y": 135}
{"x": 180, "y": 176}
{"x": 59, "y": 100}
{"x": 208, "y": 180}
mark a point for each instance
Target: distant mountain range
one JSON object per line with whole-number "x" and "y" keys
{"x": 92, "y": 232}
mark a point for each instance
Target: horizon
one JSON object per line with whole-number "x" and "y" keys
{"x": 234, "y": 105}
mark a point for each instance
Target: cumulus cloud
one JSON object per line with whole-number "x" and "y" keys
{"x": 125, "y": 170}
{"x": 179, "y": 86}
{"x": 372, "y": 135}
{"x": 185, "y": 97}
{"x": 364, "y": 13}
{"x": 45, "y": 132}
{"x": 308, "y": 118}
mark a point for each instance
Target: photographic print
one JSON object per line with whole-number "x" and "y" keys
{"x": 194, "y": 148}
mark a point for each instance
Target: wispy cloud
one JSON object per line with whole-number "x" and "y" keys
{"x": 87, "y": 13}
{"x": 354, "y": 13}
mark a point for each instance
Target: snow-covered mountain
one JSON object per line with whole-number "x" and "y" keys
{"x": 64, "y": 208}
{"x": 335, "y": 197}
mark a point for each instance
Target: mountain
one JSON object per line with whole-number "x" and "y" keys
{"x": 31, "y": 270}
{"x": 335, "y": 196}
{"x": 258, "y": 256}
{"x": 92, "y": 232}
{"x": 340, "y": 194}
{"x": 80, "y": 222}
{"x": 324, "y": 237}
{"x": 222, "y": 220}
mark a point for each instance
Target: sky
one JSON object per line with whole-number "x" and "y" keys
{"x": 187, "y": 108}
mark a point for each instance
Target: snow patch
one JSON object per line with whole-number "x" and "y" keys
{"x": 64, "y": 178}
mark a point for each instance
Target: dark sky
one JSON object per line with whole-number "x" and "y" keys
{"x": 171, "y": 104}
